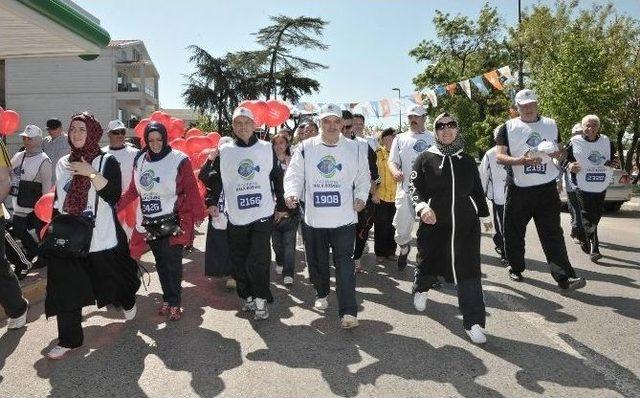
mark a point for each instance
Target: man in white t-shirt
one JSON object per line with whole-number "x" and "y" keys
{"x": 526, "y": 145}
{"x": 405, "y": 149}
{"x": 332, "y": 173}
{"x": 124, "y": 154}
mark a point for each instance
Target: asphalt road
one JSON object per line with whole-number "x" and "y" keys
{"x": 540, "y": 343}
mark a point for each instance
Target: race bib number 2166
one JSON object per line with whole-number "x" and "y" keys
{"x": 249, "y": 201}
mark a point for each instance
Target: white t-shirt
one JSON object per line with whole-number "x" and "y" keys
{"x": 125, "y": 156}
{"x": 405, "y": 149}
{"x": 331, "y": 178}
{"x": 494, "y": 177}
{"x": 593, "y": 176}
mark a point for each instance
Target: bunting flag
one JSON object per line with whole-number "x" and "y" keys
{"x": 466, "y": 87}
{"x": 506, "y": 72}
{"x": 477, "y": 81}
{"x": 451, "y": 88}
{"x": 433, "y": 98}
{"x": 385, "y": 105}
{"x": 494, "y": 79}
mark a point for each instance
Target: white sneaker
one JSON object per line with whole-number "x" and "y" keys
{"x": 231, "y": 283}
{"x": 349, "y": 322}
{"x": 477, "y": 334}
{"x": 58, "y": 352}
{"x": 261, "y": 311}
{"x": 17, "y": 323}
{"x": 321, "y": 303}
{"x": 248, "y": 305}
{"x": 288, "y": 280}
{"x": 420, "y": 301}
{"x": 130, "y": 314}
{"x": 279, "y": 269}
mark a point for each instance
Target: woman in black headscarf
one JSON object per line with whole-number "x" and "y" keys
{"x": 170, "y": 203}
{"x": 88, "y": 186}
{"x": 448, "y": 197}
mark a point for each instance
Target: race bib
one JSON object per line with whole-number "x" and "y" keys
{"x": 536, "y": 169}
{"x": 249, "y": 201}
{"x": 595, "y": 177}
{"x": 326, "y": 199}
{"x": 151, "y": 206}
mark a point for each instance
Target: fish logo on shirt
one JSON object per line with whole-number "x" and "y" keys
{"x": 420, "y": 146}
{"x": 247, "y": 169}
{"x": 328, "y": 166}
{"x": 534, "y": 139}
{"x": 596, "y": 158}
{"x": 148, "y": 179}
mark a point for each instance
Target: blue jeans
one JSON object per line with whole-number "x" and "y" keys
{"x": 341, "y": 240}
{"x": 283, "y": 239}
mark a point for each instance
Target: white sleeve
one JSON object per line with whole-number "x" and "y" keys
{"x": 394, "y": 155}
{"x": 484, "y": 173}
{"x": 294, "y": 176}
{"x": 363, "y": 176}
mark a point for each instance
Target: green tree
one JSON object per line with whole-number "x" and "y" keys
{"x": 279, "y": 40}
{"x": 465, "y": 48}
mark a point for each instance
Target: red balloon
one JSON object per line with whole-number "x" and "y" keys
{"x": 202, "y": 189}
{"x": 139, "y": 129}
{"x": 43, "y": 231}
{"x": 179, "y": 144}
{"x": 278, "y": 113}
{"x": 9, "y": 122}
{"x": 193, "y": 132}
{"x": 197, "y": 144}
{"x": 44, "y": 207}
{"x": 163, "y": 118}
{"x": 259, "y": 109}
{"x": 177, "y": 128}
{"x": 214, "y": 138}
{"x": 198, "y": 159}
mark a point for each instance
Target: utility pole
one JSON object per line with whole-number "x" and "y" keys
{"x": 520, "y": 58}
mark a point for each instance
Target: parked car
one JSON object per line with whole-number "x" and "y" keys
{"x": 618, "y": 192}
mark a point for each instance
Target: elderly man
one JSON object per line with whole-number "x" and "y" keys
{"x": 332, "y": 173}
{"x": 526, "y": 145}
{"x": 246, "y": 170}
{"x": 125, "y": 154}
{"x": 404, "y": 150}
{"x": 56, "y": 145}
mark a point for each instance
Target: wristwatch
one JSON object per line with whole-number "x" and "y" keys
{"x": 92, "y": 176}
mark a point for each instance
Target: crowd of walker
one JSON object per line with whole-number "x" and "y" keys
{"x": 327, "y": 181}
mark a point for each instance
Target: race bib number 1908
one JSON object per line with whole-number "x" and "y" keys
{"x": 326, "y": 199}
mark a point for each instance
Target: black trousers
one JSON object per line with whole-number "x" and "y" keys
{"x": 542, "y": 203}
{"x": 341, "y": 240}
{"x": 21, "y": 227}
{"x": 574, "y": 211}
{"x": 169, "y": 266}
{"x": 10, "y": 293}
{"x": 384, "y": 243}
{"x": 366, "y": 218}
{"x": 590, "y": 206}
{"x": 250, "y": 252}
{"x": 498, "y": 237}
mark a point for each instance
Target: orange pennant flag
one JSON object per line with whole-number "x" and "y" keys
{"x": 493, "y": 78}
{"x": 451, "y": 88}
{"x": 417, "y": 98}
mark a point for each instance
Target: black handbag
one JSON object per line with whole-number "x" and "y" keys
{"x": 68, "y": 235}
{"x": 161, "y": 227}
{"x": 28, "y": 191}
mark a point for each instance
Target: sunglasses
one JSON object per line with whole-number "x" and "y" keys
{"x": 450, "y": 125}
{"x": 118, "y": 132}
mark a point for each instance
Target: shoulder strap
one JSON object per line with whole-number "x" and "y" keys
{"x": 95, "y": 206}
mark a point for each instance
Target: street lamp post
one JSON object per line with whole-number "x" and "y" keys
{"x": 399, "y": 109}
{"x": 520, "y": 60}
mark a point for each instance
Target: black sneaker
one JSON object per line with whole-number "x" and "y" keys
{"x": 402, "y": 258}
{"x": 498, "y": 250}
{"x": 504, "y": 262}
{"x": 595, "y": 256}
{"x": 515, "y": 275}
{"x": 571, "y": 284}
{"x": 584, "y": 245}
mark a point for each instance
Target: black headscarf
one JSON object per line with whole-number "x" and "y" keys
{"x": 455, "y": 146}
{"x": 159, "y": 127}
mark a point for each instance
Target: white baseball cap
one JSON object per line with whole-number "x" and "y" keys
{"x": 115, "y": 125}
{"x": 526, "y": 96}
{"x": 330, "y": 110}
{"x": 242, "y": 111}
{"x": 417, "y": 110}
{"x": 31, "y": 131}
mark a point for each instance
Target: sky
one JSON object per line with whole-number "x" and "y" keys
{"x": 369, "y": 41}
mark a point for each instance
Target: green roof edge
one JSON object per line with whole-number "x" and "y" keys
{"x": 71, "y": 19}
